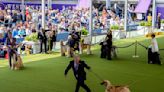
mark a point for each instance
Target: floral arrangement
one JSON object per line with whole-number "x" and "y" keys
{"x": 84, "y": 31}
{"x": 115, "y": 27}
{"x": 33, "y": 37}
{"x": 144, "y": 23}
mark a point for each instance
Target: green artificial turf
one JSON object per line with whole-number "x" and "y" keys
{"x": 46, "y": 74}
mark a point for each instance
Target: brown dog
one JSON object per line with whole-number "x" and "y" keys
{"x": 19, "y": 63}
{"x": 111, "y": 88}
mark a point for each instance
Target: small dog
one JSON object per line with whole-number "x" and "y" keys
{"x": 111, "y": 88}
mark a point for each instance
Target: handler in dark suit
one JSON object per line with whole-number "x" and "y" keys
{"x": 109, "y": 45}
{"x": 43, "y": 40}
{"x": 11, "y": 45}
{"x": 78, "y": 68}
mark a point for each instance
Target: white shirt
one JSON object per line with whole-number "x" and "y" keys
{"x": 76, "y": 66}
{"x": 1, "y": 31}
{"x": 83, "y": 20}
{"x": 28, "y": 32}
{"x": 154, "y": 45}
{"x": 115, "y": 6}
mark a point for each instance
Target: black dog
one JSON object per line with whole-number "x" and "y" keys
{"x": 103, "y": 49}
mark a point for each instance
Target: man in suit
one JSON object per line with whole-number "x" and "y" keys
{"x": 78, "y": 66}
{"x": 43, "y": 40}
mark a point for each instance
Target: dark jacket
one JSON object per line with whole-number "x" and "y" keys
{"x": 14, "y": 17}
{"x": 42, "y": 36}
{"x": 71, "y": 43}
{"x": 80, "y": 74}
{"x": 109, "y": 41}
{"x": 54, "y": 36}
{"x": 11, "y": 46}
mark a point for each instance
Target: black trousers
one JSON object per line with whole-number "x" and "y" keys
{"x": 156, "y": 59}
{"x": 150, "y": 56}
{"x": 109, "y": 49}
{"x": 50, "y": 46}
{"x": 45, "y": 45}
{"x": 80, "y": 83}
{"x": 159, "y": 25}
{"x": 10, "y": 57}
{"x": 10, "y": 54}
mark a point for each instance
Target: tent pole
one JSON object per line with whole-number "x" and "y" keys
{"x": 90, "y": 27}
{"x": 153, "y": 14}
{"x": 126, "y": 15}
{"x": 43, "y": 14}
{"x": 23, "y": 9}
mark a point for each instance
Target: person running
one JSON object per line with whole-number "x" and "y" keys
{"x": 78, "y": 66}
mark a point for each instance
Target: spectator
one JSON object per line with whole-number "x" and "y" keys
{"x": 15, "y": 32}
{"x": 159, "y": 20}
{"x": 21, "y": 32}
{"x": 149, "y": 18}
{"x": 54, "y": 35}
{"x": 28, "y": 31}
{"x": 71, "y": 44}
{"x": 14, "y": 17}
{"x": 43, "y": 40}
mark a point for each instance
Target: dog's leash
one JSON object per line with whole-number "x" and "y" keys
{"x": 101, "y": 79}
{"x": 96, "y": 75}
{"x": 132, "y": 83}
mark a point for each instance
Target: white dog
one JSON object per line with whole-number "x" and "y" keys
{"x": 111, "y": 88}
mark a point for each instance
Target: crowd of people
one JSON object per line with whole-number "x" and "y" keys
{"x": 69, "y": 19}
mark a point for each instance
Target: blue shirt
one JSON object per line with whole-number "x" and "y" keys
{"x": 15, "y": 32}
{"x": 21, "y": 32}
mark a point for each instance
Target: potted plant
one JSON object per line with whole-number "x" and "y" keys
{"x": 142, "y": 23}
{"x": 32, "y": 37}
{"x": 84, "y": 31}
{"x": 114, "y": 27}
{"x": 117, "y": 32}
{"x": 33, "y": 41}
